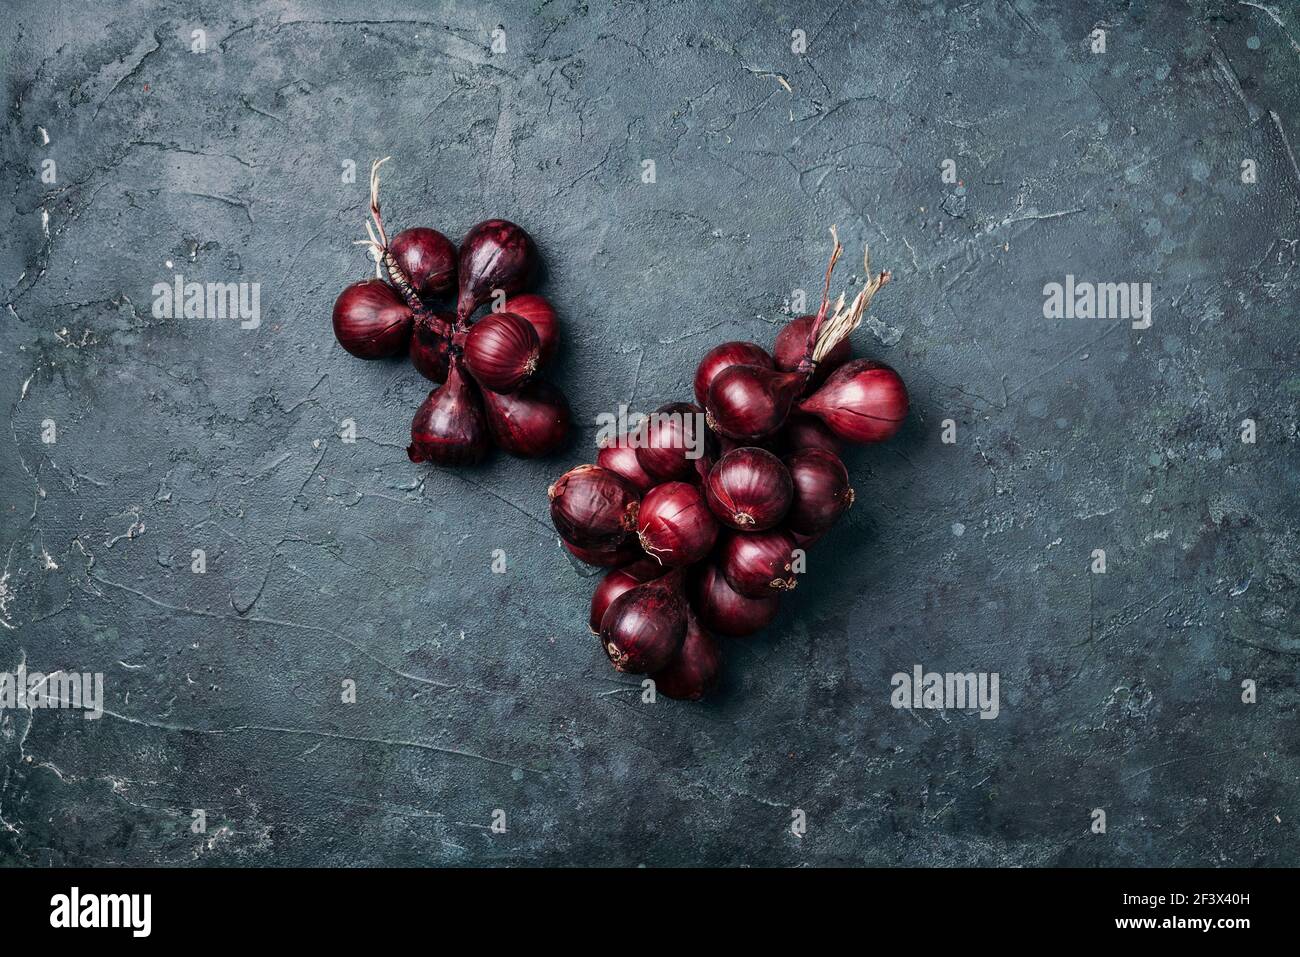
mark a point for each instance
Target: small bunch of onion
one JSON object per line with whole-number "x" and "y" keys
{"x": 488, "y": 392}
{"x": 706, "y": 547}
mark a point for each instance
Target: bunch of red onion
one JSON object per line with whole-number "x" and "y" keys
{"x": 488, "y": 391}
{"x": 708, "y": 545}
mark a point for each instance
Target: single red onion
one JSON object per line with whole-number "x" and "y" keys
{"x": 723, "y": 609}
{"x": 643, "y": 627}
{"x": 723, "y": 357}
{"x": 620, "y": 457}
{"x": 427, "y": 259}
{"x": 668, "y": 441}
{"x": 494, "y": 255}
{"x": 862, "y": 401}
{"x": 792, "y": 343}
{"x": 371, "y": 321}
{"x": 748, "y": 402}
{"x": 822, "y": 492}
{"x": 628, "y": 551}
{"x": 749, "y": 489}
{"x": 807, "y": 432}
{"x": 674, "y": 524}
{"x": 615, "y": 583}
{"x": 449, "y": 427}
{"x": 694, "y": 670}
{"x": 502, "y": 351}
{"x": 593, "y": 508}
{"x": 531, "y": 422}
{"x": 541, "y": 316}
{"x": 431, "y": 344}
{"x": 759, "y": 563}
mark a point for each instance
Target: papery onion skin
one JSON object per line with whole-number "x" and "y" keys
{"x": 643, "y": 627}
{"x": 615, "y": 583}
{"x": 541, "y": 316}
{"x": 822, "y": 492}
{"x": 431, "y": 345}
{"x": 626, "y": 553}
{"x": 371, "y": 320}
{"x": 502, "y": 351}
{"x": 674, "y": 524}
{"x": 757, "y": 564}
{"x": 427, "y": 258}
{"x": 749, "y": 402}
{"x": 694, "y": 671}
{"x": 808, "y": 432}
{"x": 791, "y": 346}
{"x": 495, "y": 254}
{"x": 862, "y": 401}
{"x": 725, "y": 356}
{"x": 450, "y": 427}
{"x": 724, "y": 610}
{"x": 668, "y": 438}
{"x": 620, "y": 457}
{"x": 594, "y": 508}
{"x": 530, "y": 422}
{"x": 749, "y": 489}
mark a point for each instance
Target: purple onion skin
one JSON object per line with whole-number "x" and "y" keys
{"x": 615, "y": 583}
{"x": 862, "y": 401}
{"x": 431, "y": 345}
{"x": 428, "y": 258}
{"x": 675, "y": 525}
{"x": 757, "y": 564}
{"x": 724, "y": 610}
{"x": 749, "y": 489}
{"x": 694, "y": 671}
{"x": 822, "y": 492}
{"x": 792, "y": 345}
{"x": 371, "y": 320}
{"x": 643, "y": 627}
{"x": 663, "y": 445}
{"x": 541, "y": 315}
{"x": 619, "y": 557}
{"x": 531, "y": 422}
{"x": 808, "y": 432}
{"x": 495, "y": 254}
{"x": 748, "y": 403}
{"x": 450, "y": 428}
{"x": 621, "y": 458}
{"x": 594, "y": 508}
{"x": 502, "y": 351}
{"x": 725, "y": 356}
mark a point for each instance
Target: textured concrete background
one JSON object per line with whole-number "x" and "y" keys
{"x": 478, "y": 691}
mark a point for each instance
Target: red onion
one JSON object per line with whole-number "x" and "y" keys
{"x": 593, "y": 508}
{"x": 695, "y": 668}
{"x": 615, "y": 583}
{"x": 450, "y": 427}
{"x": 532, "y": 422}
{"x": 749, "y": 489}
{"x": 502, "y": 351}
{"x": 621, "y": 458}
{"x": 806, "y": 541}
{"x": 723, "y": 357}
{"x": 724, "y": 610}
{"x": 643, "y": 627}
{"x": 862, "y": 401}
{"x": 628, "y": 551}
{"x": 806, "y": 432}
{"x": 371, "y": 321}
{"x": 427, "y": 259}
{"x": 821, "y": 491}
{"x": 431, "y": 344}
{"x": 541, "y": 317}
{"x": 674, "y": 525}
{"x": 667, "y": 439}
{"x": 792, "y": 342}
{"x": 493, "y": 255}
{"x": 758, "y": 563}
{"x": 749, "y": 402}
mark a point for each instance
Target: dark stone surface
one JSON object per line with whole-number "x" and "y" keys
{"x": 477, "y": 691}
